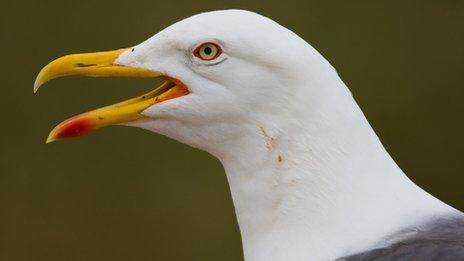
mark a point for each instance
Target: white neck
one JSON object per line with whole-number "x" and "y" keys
{"x": 320, "y": 186}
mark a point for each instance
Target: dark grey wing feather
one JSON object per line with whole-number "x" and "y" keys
{"x": 442, "y": 240}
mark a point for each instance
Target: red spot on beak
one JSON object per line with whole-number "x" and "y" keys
{"x": 73, "y": 127}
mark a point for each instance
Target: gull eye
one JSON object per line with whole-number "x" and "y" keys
{"x": 207, "y": 51}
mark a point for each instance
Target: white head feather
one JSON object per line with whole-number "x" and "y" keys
{"x": 309, "y": 178}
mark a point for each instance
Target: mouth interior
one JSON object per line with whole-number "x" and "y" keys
{"x": 168, "y": 90}
{"x": 122, "y": 112}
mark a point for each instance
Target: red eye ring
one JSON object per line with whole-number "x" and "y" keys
{"x": 207, "y": 51}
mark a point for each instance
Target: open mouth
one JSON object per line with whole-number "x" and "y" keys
{"x": 126, "y": 111}
{"x": 102, "y": 64}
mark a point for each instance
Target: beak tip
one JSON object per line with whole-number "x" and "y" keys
{"x": 42, "y": 78}
{"x": 37, "y": 84}
{"x": 50, "y": 139}
{"x": 52, "y": 136}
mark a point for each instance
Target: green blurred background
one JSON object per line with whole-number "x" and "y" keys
{"x": 127, "y": 194}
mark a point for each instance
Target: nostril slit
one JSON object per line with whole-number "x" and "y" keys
{"x": 85, "y": 65}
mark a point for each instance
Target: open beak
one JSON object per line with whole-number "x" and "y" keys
{"x": 102, "y": 64}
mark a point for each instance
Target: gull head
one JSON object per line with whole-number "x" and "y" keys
{"x": 309, "y": 178}
{"x": 224, "y": 71}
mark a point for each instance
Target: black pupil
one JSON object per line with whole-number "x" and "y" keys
{"x": 208, "y": 50}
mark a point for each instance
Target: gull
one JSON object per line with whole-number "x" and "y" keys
{"x": 309, "y": 178}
